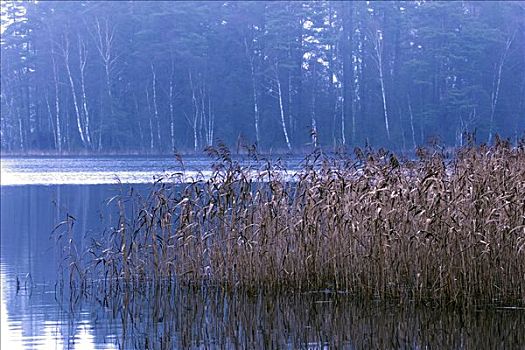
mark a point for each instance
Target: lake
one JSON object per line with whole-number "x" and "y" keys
{"x": 36, "y": 195}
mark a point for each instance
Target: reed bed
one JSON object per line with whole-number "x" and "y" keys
{"x": 446, "y": 230}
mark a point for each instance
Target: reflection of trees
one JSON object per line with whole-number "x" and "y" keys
{"x": 28, "y": 216}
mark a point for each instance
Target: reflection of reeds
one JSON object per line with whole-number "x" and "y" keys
{"x": 418, "y": 229}
{"x": 212, "y": 318}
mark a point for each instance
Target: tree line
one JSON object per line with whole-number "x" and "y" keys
{"x": 129, "y": 76}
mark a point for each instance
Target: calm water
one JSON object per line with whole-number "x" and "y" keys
{"x": 89, "y": 171}
{"x": 36, "y": 194}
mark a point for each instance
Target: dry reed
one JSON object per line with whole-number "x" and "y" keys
{"x": 431, "y": 229}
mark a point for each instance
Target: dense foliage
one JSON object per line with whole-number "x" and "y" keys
{"x": 156, "y": 76}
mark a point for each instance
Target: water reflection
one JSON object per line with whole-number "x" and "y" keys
{"x": 30, "y": 315}
{"x": 35, "y": 315}
{"x": 170, "y": 317}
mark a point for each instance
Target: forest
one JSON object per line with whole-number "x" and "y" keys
{"x": 156, "y": 77}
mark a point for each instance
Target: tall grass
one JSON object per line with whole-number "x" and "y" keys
{"x": 371, "y": 225}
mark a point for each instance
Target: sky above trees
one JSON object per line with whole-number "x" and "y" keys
{"x": 285, "y": 76}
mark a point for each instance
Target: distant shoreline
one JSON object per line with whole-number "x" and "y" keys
{"x": 203, "y": 153}
{"x": 281, "y": 152}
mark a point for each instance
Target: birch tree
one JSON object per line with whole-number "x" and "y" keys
{"x": 65, "y": 50}
{"x": 251, "y": 55}
{"x": 58, "y": 124}
{"x": 496, "y": 82}
{"x": 171, "y": 102}
{"x": 155, "y": 104}
{"x": 193, "y": 120}
{"x": 277, "y": 81}
{"x": 376, "y": 35}
{"x": 103, "y": 34}
{"x": 82, "y": 57}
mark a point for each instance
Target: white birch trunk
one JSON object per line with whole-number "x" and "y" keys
{"x": 496, "y": 85}
{"x": 20, "y": 131}
{"x": 357, "y": 70}
{"x": 80, "y": 127}
{"x": 378, "y": 48}
{"x": 82, "y": 54}
{"x": 103, "y": 38}
{"x": 249, "y": 55}
{"x": 411, "y": 122}
{"x": 51, "y": 123}
{"x": 203, "y": 127}
{"x": 151, "y": 138}
{"x": 283, "y": 121}
{"x": 343, "y": 131}
{"x": 383, "y": 94}
{"x": 291, "y": 121}
{"x": 314, "y": 127}
{"x": 172, "y": 116}
{"x": 155, "y": 106}
{"x": 57, "y": 105}
{"x": 357, "y": 66}
{"x": 137, "y": 112}
{"x": 313, "y": 132}
{"x": 195, "y": 135}
{"x": 255, "y": 105}
{"x": 195, "y": 114}
{"x": 211, "y": 123}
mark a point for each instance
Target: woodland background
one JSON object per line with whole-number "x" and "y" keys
{"x": 152, "y": 77}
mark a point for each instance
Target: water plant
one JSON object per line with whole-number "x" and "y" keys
{"x": 449, "y": 230}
